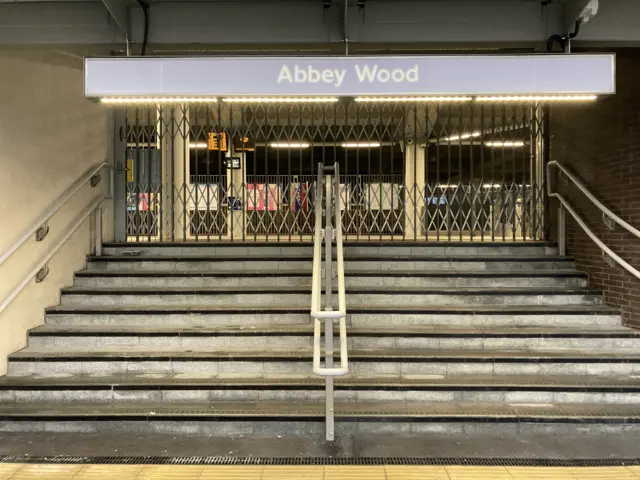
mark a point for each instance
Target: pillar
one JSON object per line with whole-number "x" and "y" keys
{"x": 237, "y": 188}
{"x": 173, "y": 124}
{"x": 414, "y": 180}
{"x": 418, "y": 125}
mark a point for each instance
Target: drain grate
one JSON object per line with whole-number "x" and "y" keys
{"x": 418, "y": 461}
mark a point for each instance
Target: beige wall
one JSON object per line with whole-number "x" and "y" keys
{"x": 49, "y": 135}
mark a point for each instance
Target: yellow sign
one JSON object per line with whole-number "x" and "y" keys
{"x": 217, "y": 141}
{"x": 129, "y": 170}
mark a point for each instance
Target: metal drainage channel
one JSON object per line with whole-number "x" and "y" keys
{"x": 417, "y": 461}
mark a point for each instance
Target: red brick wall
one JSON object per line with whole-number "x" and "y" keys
{"x": 601, "y": 143}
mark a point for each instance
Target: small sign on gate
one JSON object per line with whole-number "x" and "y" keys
{"x": 232, "y": 163}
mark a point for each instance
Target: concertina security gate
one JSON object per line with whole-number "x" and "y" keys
{"x": 243, "y": 171}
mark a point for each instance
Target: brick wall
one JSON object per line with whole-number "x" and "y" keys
{"x": 601, "y": 143}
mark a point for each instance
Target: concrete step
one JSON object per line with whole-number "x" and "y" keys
{"x": 286, "y": 418}
{"x": 373, "y": 247}
{"x": 415, "y": 279}
{"x": 298, "y": 360}
{"x": 284, "y": 336}
{"x": 358, "y": 296}
{"x": 179, "y": 388}
{"x": 375, "y": 262}
{"x": 469, "y": 315}
{"x": 211, "y": 249}
{"x": 457, "y": 263}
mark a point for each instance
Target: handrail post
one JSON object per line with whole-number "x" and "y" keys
{"x": 327, "y": 315}
{"x": 97, "y": 232}
{"x": 562, "y": 230}
{"x": 328, "y": 323}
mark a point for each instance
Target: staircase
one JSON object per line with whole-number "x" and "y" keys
{"x": 216, "y": 339}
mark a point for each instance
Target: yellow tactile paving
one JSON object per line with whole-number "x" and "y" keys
{"x": 232, "y": 472}
{"x": 95, "y": 472}
{"x": 356, "y": 472}
{"x": 307, "y": 472}
{"x": 599, "y": 473}
{"x": 478, "y": 473}
{"x": 10, "y": 471}
{"x": 400, "y": 472}
{"x": 550, "y": 473}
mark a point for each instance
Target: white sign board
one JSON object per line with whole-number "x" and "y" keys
{"x": 351, "y": 76}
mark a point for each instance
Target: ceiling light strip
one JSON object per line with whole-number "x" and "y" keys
{"x": 152, "y": 100}
{"x": 537, "y": 98}
{"x": 414, "y": 99}
{"x": 289, "y": 145}
{"x": 506, "y": 144}
{"x": 280, "y": 99}
{"x": 361, "y": 145}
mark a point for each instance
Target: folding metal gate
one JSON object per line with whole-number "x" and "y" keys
{"x": 243, "y": 171}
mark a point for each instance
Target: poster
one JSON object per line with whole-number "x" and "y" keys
{"x": 382, "y": 196}
{"x": 145, "y": 201}
{"x": 345, "y": 196}
{"x": 299, "y": 197}
{"x": 207, "y": 196}
{"x": 263, "y": 196}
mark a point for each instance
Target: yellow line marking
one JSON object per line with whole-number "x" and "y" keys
{"x": 10, "y": 471}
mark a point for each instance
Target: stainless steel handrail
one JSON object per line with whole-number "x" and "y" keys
{"x": 318, "y": 313}
{"x": 57, "y": 205}
{"x": 93, "y": 206}
{"x": 566, "y": 206}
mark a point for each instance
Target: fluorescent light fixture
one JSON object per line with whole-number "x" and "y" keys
{"x": 289, "y": 145}
{"x": 517, "y": 143}
{"x": 280, "y": 99}
{"x": 361, "y": 145}
{"x": 537, "y": 98}
{"x": 414, "y": 99}
{"x": 491, "y": 185}
{"x": 198, "y": 145}
{"x": 136, "y": 100}
{"x": 464, "y": 136}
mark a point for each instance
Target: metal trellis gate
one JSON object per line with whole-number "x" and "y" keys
{"x": 243, "y": 171}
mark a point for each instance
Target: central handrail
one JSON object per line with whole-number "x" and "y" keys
{"x": 327, "y": 314}
{"x": 566, "y": 206}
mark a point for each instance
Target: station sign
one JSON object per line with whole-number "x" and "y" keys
{"x": 538, "y": 74}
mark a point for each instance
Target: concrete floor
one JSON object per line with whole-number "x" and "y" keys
{"x": 572, "y": 446}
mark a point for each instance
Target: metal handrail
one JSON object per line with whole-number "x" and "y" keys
{"x": 565, "y": 205}
{"x": 590, "y": 196}
{"x": 327, "y": 314}
{"x": 57, "y": 205}
{"x": 93, "y": 206}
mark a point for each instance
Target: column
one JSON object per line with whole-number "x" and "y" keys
{"x": 418, "y": 127}
{"x": 237, "y": 188}
{"x": 414, "y": 180}
{"x": 174, "y": 127}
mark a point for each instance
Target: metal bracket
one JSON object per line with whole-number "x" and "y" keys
{"x": 608, "y": 260}
{"x": 119, "y": 11}
{"x": 42, "y": 232}
{"x": 42, "y": 273}
{"x": 95, "y": 180}
{"x": 608, "y": 222}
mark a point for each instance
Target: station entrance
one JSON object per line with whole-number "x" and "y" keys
{"x": 447, "y": 169}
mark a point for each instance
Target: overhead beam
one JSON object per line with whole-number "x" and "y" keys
{"x": 385, "y": 23}
{"x": 119, "y": 11}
